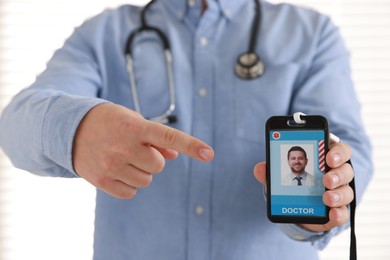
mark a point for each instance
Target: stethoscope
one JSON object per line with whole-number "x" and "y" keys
{"x": 249, "y": 65}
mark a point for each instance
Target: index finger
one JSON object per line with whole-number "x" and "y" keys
{"x": 167, "y": 137}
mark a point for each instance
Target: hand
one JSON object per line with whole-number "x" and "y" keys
{"x": 118, "y": 151}
{"x": 339, "y": 194}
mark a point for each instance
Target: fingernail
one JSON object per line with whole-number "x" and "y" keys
{"x": 206, "y": 154}
{"x": 335, "y": 179}
{"x": 336, "y": 158}
{"x": 336, "y": 197}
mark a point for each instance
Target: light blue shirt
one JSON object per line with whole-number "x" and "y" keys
{"x": 193, "y": 210}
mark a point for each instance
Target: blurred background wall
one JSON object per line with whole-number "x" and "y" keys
{"x": 47, "y": 218}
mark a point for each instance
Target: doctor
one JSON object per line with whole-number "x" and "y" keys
{"x": 297, "y": 161}
{"x": 80, "y": 119}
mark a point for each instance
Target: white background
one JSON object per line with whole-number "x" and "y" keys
{"x": 48, "y": 218}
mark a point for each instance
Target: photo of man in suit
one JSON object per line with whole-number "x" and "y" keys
{"x": 297, "y": 161}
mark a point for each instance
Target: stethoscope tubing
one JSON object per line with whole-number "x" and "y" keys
{"x": 249, "y": 65}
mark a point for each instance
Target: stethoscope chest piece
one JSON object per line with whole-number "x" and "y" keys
{"x": 249, "y": 66}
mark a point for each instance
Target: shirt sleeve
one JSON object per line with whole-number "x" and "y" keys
{"x": 38, "y": 126}
{"x": 319, "y": 239}
{"x": 327, "y": 89}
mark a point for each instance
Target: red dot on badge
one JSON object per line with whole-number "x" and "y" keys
{"x": 276, "y": 135}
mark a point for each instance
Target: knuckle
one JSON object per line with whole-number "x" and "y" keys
{"x": 338, "y": 216}
{"x": 159, "y": 166}
{"x": 347, "y": 148}
{"x": 102, "y": 182}
{"x": 328, "y": 180}
{"x": 127, "y": 193}
{"x": 350, "y": 196}
{"x": 326, "y": 198}
{"x": 108, "y": 163}
{"x": 345, "y": 175}
{"x": 128, "y": 151}
{"x": 169, "y": 137}
{"x": 146, "y": 181}
{"x": 342, "y": 216}
{"x": 155, "y": 161}
{"x": 330, "y": 198}
{"x": 348, "y": 173}
{"x": 135, "y": 127}
{"x": 191, "y": 147}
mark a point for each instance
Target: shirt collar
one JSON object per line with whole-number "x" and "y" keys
{"x": 228, "y": 8}
{"x": 304, "y": 176}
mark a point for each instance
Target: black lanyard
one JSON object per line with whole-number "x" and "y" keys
{"x": 352, "y": 248}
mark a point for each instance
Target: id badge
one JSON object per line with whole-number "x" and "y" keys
{"x": 295, "y": 168}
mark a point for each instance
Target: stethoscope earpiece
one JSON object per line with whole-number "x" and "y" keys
{"x": 249, "y": 66}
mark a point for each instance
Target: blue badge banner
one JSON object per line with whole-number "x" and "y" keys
{"x": 298, "y": 206}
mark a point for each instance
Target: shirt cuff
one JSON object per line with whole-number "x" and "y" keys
{"x": 60, "y": 125}
{"x": 319, "y": 239}
{"x": 296, "y": 232}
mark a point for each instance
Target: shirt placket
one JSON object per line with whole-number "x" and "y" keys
{"x": 200, "y": 187}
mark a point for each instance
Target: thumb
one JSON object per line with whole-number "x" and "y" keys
{"x": 260, "y": 172}
{"x": 163, "y": 136}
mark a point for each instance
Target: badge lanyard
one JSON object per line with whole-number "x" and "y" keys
{"x": 352, "y": 206}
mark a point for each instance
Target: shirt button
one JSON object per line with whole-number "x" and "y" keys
{"x": 299, "y": 236}
{"x": 204, "y": 41}
{"x": 228, "y": 12}
{"x": 191, "y": 3}
{"x": 199, "y": 210}
{"x": 202, "y": 92}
